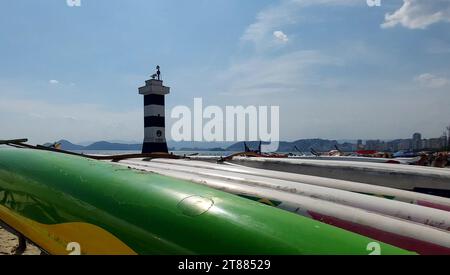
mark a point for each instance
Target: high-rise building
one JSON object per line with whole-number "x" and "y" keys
{"x": 359, "y": 145}
{"x": 417, "y": 141}
{"x": 404, "y": 144}
{"x": 373, "y": 145}
{"x": 448, "y": 137}
{"x": 435, "y": 143}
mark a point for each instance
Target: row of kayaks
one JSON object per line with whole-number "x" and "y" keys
{"x": 412, "y": 221}
{"x": 422, "y": 179}
{"x": 193, "y": 207}
{"x": 428, "y": 180}
{"x": 397, "y": 160}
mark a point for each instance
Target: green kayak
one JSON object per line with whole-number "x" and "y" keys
{"x": 63, "y": 203}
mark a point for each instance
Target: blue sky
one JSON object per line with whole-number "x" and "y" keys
{"x": 337, "y": 69}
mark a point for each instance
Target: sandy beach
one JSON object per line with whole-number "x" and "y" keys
{"x": 9, "y": 241}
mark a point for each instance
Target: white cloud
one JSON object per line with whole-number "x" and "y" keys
{"x": 432, "y": 81}
{"x": 280, "y": 36}
{"x": 285, "y": 13}
{"x": 54, "y": 81}
{"x": 419, "y": 14}
{"x": 274, "y": 75}
{"x": 268, "y": 19}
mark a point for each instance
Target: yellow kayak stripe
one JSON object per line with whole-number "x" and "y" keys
{"x": 92, "y": 240}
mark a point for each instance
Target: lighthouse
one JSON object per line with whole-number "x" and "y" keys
{"x": 154, "y": 93}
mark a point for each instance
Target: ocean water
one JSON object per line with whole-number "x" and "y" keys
{"x": 180, "y": 153}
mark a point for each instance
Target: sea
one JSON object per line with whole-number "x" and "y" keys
{"x": 180, "y": 153}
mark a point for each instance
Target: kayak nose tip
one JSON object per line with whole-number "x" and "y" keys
{"x": 195, "y": 206}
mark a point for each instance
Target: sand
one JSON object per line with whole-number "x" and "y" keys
{"x": 9, "y": 241}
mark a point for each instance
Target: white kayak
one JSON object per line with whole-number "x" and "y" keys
{"x": 429, "y": 180}
{"x": 379, "y": 191}
{"x": 401, "y": 233}
{"x": 429, "y": 216}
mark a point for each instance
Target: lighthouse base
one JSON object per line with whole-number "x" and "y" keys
{"x": 154, "y": 147}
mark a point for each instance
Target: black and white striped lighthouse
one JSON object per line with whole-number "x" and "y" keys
{"x": 154, "y": 114}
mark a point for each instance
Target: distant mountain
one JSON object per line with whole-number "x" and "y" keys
{"x": 180, "y": 145}
{"x": 67, "y": 145}
{"x": 87, "y": 143}
{"x": 304, "y": 145}
{"x": 253, "y": 145}
{"x": 201, "y": 149}
{"x": 97, "y": 146}
{"x": 316, "y": 144}
{"x": 348, "y": 141}
{"x": 105, "y": 146}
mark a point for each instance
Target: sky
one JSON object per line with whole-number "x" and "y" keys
{"x": 338, "y": 69}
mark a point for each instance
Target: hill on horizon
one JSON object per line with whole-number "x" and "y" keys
{"x": 304, "y": 145}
